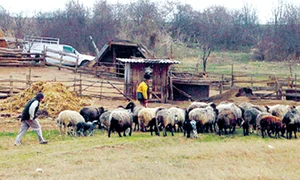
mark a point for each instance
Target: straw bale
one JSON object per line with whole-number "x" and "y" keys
{"x": 57, "y": 98}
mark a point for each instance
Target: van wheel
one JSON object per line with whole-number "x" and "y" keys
{"x": 84, "y": 63}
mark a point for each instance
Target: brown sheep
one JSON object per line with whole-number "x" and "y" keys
{"x": 271, "y": 124}
{"x": 226, "y": 119}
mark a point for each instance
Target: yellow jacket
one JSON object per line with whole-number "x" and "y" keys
{"x": 143, "y": 88}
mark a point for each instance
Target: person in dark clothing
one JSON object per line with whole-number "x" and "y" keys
{"x": 28, "y": 119}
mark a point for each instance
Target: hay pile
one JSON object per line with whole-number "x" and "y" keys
{"x": 57, "y": 98}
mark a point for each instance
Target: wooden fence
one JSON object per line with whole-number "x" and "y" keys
{"x": 82, "y": 84}
{"x": 12, "y": 57}
{"x": 265, "y": 86}
{"x": 105, "y": 80}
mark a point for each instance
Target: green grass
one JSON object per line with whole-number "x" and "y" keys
{"x": 143, "y": 156}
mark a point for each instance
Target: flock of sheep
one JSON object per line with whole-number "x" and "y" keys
{"x": 198, "y": 117}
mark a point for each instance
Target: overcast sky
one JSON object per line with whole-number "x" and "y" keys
{"x": 29, "y": 7}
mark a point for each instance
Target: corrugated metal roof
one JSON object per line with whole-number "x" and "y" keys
{"x": 149, "y": 61}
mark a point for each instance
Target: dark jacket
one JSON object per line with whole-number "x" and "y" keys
{"x": 25, "y": 113}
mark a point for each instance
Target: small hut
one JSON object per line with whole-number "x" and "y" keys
{"x": 160, "y": 76}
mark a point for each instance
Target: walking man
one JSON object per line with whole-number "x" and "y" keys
{"x": 28, "y": 119}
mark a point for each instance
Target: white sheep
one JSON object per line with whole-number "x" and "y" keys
{"x": 67, "y": 119}
{"x": 194, "y": 105}
{"x": 180, "y": 115}
{"x": 165, "y": 120}
{"x": 120, "y": 120}
{"x": 278, "y": 110}
{"x": 234, "y": 108}
{"x": 147, "y": 118}
{"x": 205, "y": 118}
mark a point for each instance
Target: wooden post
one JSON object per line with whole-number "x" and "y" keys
{"x": 60, "y": 61}
{"x": 10, "y": 86}
{"x": 44, "y": 57}
{"x": 76, "y": 65}
{"x": 171, "y": 88}
{"x": 232, "y": 76}
{"x": 251, "y": 81}
{"x": 29, "y": 77}
{"x": 101, "y": 87}
{"x": 74, "y": 84}
{"x": 80, "y": 86}
{"x": 221, "y": 84}
{"x": 296, "y": 89}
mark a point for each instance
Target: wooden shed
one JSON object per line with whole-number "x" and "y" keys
{"x": 160, "y": 76}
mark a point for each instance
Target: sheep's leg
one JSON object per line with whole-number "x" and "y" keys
{"x": 172, "y": 130}
{"x": 130, "y": 131}
{"x": 165, "y": 131}
{"x": 119, "y": 132}
{"x": 262, "y": 133}
{"x": 109, "y": 131}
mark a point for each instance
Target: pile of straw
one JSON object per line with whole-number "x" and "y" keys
{"x": 57, "y": 98}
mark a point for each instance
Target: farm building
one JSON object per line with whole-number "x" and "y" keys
{"x": 132, "y": 60}
{"x": 122, "y": 49}
{"x": 160, "y": 80}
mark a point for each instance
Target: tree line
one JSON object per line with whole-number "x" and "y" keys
{"x": 161, "y": 25}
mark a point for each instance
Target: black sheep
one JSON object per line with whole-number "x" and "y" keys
{"x": 82, "y": 128}
{"x": 91, "y": 114}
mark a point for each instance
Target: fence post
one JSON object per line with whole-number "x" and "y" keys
{"x": 232, "y": 76}
{"x": 101, "y": 89}
{"x": 76, "y": 65}
{"x": 29, "y": 78}
{"x": 60, "y": 61}
{"x": 80, "y": 86}
{"x": 296, "y": 89}
{"x": 10, "y": 86}
{"x": 221, "y": 84}
{"x": 44, "y": 57}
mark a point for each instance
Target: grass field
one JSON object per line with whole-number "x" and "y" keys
{"x": 143, "y": 156}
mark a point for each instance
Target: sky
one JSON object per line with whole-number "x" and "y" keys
{"x": 29, "y": 7}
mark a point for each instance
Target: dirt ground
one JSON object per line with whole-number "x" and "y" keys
{"x": 10, "y": 122}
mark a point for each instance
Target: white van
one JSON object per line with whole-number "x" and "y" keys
{"x": 56, "y": 53}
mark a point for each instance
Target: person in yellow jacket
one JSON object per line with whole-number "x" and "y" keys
{"x": 143, "y": 91}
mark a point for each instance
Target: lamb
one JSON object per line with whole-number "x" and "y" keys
{"x": 165, "y": 120}
{"x": 82, "y": 128}
{"x": 204, "y": 117}
{"x": 92, "y": 113}
{"x": 121, "y": 119}
{"x": 180, "y": 115}
{"x": 189, "y": 127}
{"x": 68, "y": 118}
{"x": 226, "y": 119}
{"x": 147, "y": 118}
